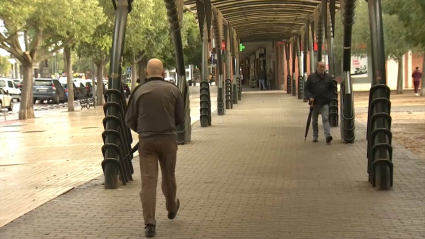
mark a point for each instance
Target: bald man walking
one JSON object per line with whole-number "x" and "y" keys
{"x": 155, "y": 109}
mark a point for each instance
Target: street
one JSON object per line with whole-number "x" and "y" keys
{"x": 46, "y": 109}
{"x": 45, "y": 157}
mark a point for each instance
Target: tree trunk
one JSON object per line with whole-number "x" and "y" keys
{"x": 400, "y": 75}
{"x": 64, "y": 62}
{"x": 100, "y": 98}
{"x": 26, "y": 109}
{"x": 69, "y": 80}
{"x": 133, "y": 74}
{"x": 423, "y": 76}
{"x": 142, "y": 66}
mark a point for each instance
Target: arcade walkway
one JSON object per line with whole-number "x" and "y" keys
{"x": 251, "y": 175}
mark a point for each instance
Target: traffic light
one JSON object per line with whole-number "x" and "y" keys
{"x": 241, "y": 47}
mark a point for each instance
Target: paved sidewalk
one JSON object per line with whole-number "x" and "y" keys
{"x": 251, "y": 175}
{"x": 45, "y": 157}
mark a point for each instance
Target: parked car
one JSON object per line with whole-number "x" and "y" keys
{"x": 9, "y": 85}
{"x": 170, "y": 79}
{"x": 79, "y": 92}
{"x": 48, "y": 89}
{"x": 5, "y": 100}
{"x": 18, "y": 84}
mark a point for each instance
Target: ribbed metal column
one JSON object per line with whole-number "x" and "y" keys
{"x": 117, "y": 136}
{"x": 347, "y": 104}
{"x": 294, "y": 50}
{"x": 205, "y": 94}
{"x": 311, "y": 46}
{"x": 330, "y": 23}
{"x": 380, "y": 166}
{"x": 221, "y": 110}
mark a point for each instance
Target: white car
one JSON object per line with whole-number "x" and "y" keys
{"x": 5, "y": 100}
{"x": 170, "y": 79}
{"x": 9, "y": 85}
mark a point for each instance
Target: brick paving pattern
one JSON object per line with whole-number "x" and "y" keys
{"x": 45, "y": 157}
{"x": 251, "y": 175}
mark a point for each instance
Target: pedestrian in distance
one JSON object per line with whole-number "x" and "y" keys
{"x": 319, "y": 90}
{"x": 270, "y": 79}
{"x": 417, "y": 76}
{"x": 155, "y": 109}
{"x": 262, "y": 79}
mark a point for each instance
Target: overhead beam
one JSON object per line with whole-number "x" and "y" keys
{"x": 257, "y": 38}
{"x": 263, "y": 17}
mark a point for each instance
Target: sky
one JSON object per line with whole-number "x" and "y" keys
{"x": 2, "y": 30}
{"x": 21, "y": 40}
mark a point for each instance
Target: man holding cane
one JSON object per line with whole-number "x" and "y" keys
{"x": 319, "y": 90}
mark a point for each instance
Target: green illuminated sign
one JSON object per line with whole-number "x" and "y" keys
{"x": 241, "y": 47}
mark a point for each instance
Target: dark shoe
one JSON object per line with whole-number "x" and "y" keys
{"x": 172, "y": 215}
{"x": 315, "y": 140}
{"x": 329, "y": 139}
{"x": 150, "y": 230}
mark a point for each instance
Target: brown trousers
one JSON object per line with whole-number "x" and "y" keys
{"x": 150, "y": 152}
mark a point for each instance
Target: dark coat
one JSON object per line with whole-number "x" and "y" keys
{"x": 320, "y": 87}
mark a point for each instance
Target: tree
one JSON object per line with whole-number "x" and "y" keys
{"x": 98, "y": 48}
{"x": 69, "y": 77}
{"x": 143, "y": 34}
{"x": 167, "y": 54}
{"x": 193, "y": 50}
{"x": 5, "y": 66}
{"x": 46, "y": 30}
{"x": 149, "y": 35}
{"x": 411, "y": 15}
{"x": 396, "y": 44}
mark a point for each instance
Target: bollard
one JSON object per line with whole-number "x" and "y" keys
{"x": 228, "y": 87}
{"x": 239, "y": 88}
{"x": 379, "y": 138}
{"x": 235, "y": 92}
{"x": 300, "y": 87}
{"x": 333, "y": 107}
{"x": 205, "y": 101}
{"x": 288, "y": 84}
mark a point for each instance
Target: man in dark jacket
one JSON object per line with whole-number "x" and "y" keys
{"x": 417, "y": 76}
{"x": 319, "y": 90}
{"x": 155, "y": 109}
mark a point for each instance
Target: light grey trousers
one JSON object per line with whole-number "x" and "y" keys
{"x": 324, "y": 111}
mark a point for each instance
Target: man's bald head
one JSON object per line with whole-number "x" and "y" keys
{"x": 155, "y": 68}
{"x": 321, "y": 67}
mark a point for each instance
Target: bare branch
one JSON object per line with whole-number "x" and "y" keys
{"x": 13, "y": 39}
{"x": 47, "y": 54}
{"x": 13, "y": 52}
{"x": 36, "y": 42}
{"x": 141, "y": 57}
{"x": 26, "y": 40}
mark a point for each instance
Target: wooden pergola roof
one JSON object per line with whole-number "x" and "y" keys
{"x": 264, "y": 20}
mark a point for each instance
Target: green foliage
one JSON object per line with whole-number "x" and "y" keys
{"x": 5, "y": 66}
{"x": 191, "y": 41}
{"x": 48, "y": 29}
{"x": 99, "y": 44}
{"x": 193, "y": 50}
{"x": 411, "y": 14}
{"x": 395, "y": 34}
{"x": 360, "y": 40}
